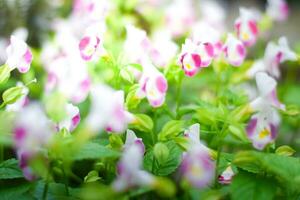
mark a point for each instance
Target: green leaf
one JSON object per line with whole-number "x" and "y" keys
{"x": 171, "y": 129}
{"x": 92, "y": 177}
{"x": 248, "y": 186}
{"x": 238, "y": 131}
{"x": 9, "y": 169}
{"x": 285, "y": 169}
{"x": 55, "y": 191}
{"x": 132, "y": 101}
{"x": 207, "y": 115}
{"x": 142, "y": 123}
{"x": 93, "y": 150}
{"x": 161, "y": 152}
{"x": 167, "y": 167}
{"x": 285, "y": 150}
{"x": 15, "y": 190}
{"x": 55, "y": 106}
{"x": 291, "y": 110}
{"x": 4, "y": 73}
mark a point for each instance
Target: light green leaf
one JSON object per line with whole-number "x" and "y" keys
{"x": 142, "y": 123}
{"x": 92, "y": 177}
{"x": 132, "y": 101}
{"x": 285, "y": 150}
{"x": 12, "y": 94}
{"x": 171, "y": 129}
{"x": 4, "y": 73}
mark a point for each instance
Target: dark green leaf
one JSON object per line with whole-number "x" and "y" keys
{"x": 169, "y": 166}
{"x": 9, "y": 169}
{"x": 95, "y": 151}
{"x": 248, "y": 186}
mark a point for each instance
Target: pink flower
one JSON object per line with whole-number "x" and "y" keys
{"x": 67, "y": 73}
{"x": 234, "y": 50}
{"x": 153, "y": 85}
{"x": 197, "y": 167}
{"x": 107, "y": 110}
{"x": 213, "y": 13}
{"x": 72, "y": 119}
{"x": 226, "y": 177}
{"x": 163, "y": 49}
{"x": 195, "y": 56}
{"x": 131, "y": 139}
{"x": 137, "y": 45}
{"x": 32, "y": 131}
{"x": 91, "y": 44}
{"x": 278, "y": 10}
{"x": 130, "y": 173}
{"x": 262, "y": 128}
{"x": 180, "y": 17}
{"x": 18, "y": 55}
{"x": 88, "y": 46}
{"x": 246, "y": 27}
{"x": 91, "y": 10}
{"x": 206, "y": 33}
{"x": 274, "y": 55}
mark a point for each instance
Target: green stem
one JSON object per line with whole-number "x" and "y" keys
{"x": 1, "y": 153}
{"x": 217, "y": 165}
{"x": 45, "y": 191}
{"x": 178, "y": 95}
{"x": 66, "y": 182}
{"x": 168, "y": 111}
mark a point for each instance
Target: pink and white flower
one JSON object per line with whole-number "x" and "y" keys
{"x": 152, "y": 85}
{"x": 88, "y": 46}
{"x": 130, "y": 173}
{"x": 107, "y": 110}
{"x": 226, "y": 177}
{"x": 32, "y": 131}
{"x": 72, "y": 119}
{"x": 18, "y": 55}
{"x": 274, "y": 55}
{"x": 262, "y": 128}
{"x": 246, "y": 27}
{"x": 91, "y": 10}
{"x": 163, "y": 48}
{"x": 132, "y": 139}
{"x": 234, "y": 50}
{"x": 206, "y": 33}
{"x": 137, "y": 45}
{"x": 180, "y": 17}
{"x": 195, "y": 56}
{"x": 213, "y": 13}
{"x": 278, "y": 10}
{"x": 91, "y": 44}
{"x": 197, "y": 167}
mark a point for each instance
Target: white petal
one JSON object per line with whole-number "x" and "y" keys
{"x": 265, "y": 83}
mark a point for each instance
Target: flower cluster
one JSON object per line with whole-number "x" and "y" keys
{"x": 120, "y": 97}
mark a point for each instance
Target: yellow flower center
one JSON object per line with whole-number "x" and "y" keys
{"x": 188, "y": 66}
{"x": 245, "y": 36}
{"x": 264, "y": 133}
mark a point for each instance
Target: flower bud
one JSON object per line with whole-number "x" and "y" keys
{"x": 4, "y": 73}
{"x": 11, "y": 95}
